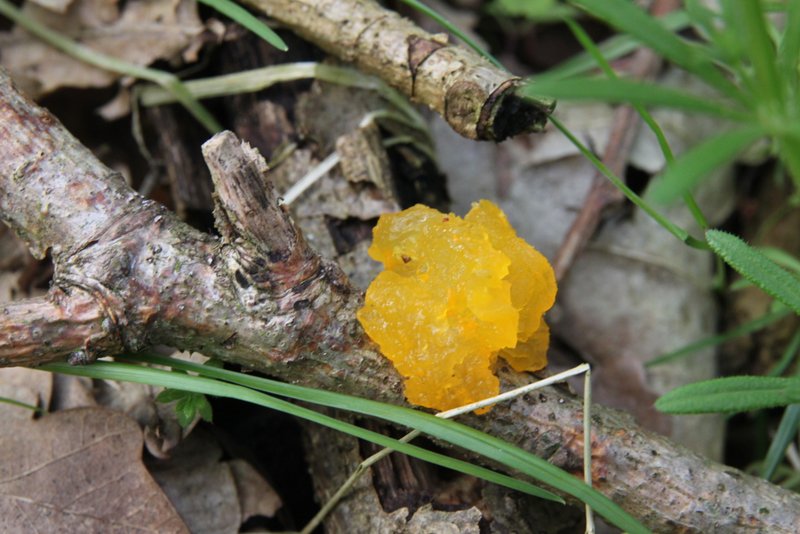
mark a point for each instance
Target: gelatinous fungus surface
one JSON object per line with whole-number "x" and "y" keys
{"x": 454, "y": 295}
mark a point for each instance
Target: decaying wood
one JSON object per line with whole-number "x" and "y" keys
{"x": 477, "y": 99}
{"x": 260, "y": 297}
{"x": 363, "y": 509}
{"x": 190, "y": 185}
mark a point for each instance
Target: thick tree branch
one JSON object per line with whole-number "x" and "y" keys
{"x": 244, "y": 300}
{"x": 477, "y": 99}
{"x": 59, "y": 324}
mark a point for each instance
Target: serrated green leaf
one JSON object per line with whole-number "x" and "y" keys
{"x": 731, "y": 394}
{"x": 782, "y": 258}
{"x": 756, "y": 267}
{"x": 689, "y": 169}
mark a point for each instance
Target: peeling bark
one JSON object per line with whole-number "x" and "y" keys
{"x": 477, "y": 99}
{"x": 129, "y": 274}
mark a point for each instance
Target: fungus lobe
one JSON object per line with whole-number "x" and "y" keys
{"x": 455, "y": 294}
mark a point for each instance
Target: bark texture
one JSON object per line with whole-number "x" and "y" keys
{"x": 128, "y": 274}
{"x": 477, "y": 99}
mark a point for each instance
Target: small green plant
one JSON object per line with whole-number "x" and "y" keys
{"x": 758, "y": 86}
{"x": 538, "y": 10}
{"x": 731, "y": 394}
{"x": 753, "y": 66}
{"x": 188, "y": 405}
{"x": 750, "y": 63}
{"x": 745, "y": 393}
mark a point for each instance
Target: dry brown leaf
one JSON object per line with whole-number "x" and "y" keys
{"x": 256, "y": 496}
{"x": 24, "y": 385}
{"x": 72, "y": 392}
{"x": 202, "y": 487}
{"x": 140, "y": 33}
{"x": 11, "y": 412}
{"x": 59, "y": 6}
{"x": 79, "y": 471}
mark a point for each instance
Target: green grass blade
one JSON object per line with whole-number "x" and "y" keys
{"x": 168, "y": 81}
{"x": 787, "y": 358}
{"x": 264, "y": 77}
{"x": 627, "y": 17}
{"x": 246, "y": 19}
{"x": 207, "y": 386}
{"x": 611, "y": 49}
{"x": 741, "y": 330}
{"x": 786, "y": 433}
{"x": 756, "y": 267}
{"x": 788, "y": 148}
{"x": 730, "y": 395}
{"x": 620, "y": 91}
{"x": 629, "y": 193}
{"x": 789, "y": 50}
{"x": 703, "y": 19}
{"x": 748, "y": 24}
{"x": 648, "y": 119}
{"x": 452, "y": 28}
{"x": 591, "y": 48}
{"x": 20, "y": 404}
{"x": 685, "y": 172}
{"x": 537, "y": 11}
{"x": 450, "y": 431}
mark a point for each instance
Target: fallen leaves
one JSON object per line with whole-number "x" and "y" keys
{"x": 138, "y": 31}
{"x": 79, "y": 471}
{"x": 213, "y": 496}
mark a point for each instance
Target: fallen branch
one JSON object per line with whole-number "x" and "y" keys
{"x": 129, "y": 274}
{"x": 477, "y": 99}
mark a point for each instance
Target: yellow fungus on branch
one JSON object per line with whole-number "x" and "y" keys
{"x": 454, "y": 295}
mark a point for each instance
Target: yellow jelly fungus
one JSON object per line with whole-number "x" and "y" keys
{"x": 454, "y": 295}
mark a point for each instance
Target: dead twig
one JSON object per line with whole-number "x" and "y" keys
{"x": 477, "y": 99}
{"x": 603, "y": 195}
{"x": 261, "y": 298}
